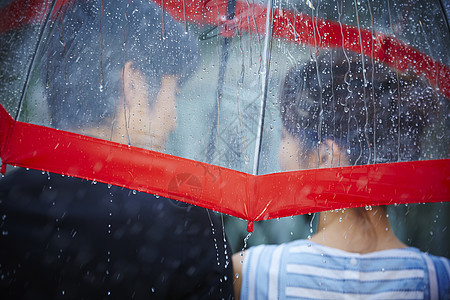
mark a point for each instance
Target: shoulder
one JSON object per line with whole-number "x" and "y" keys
{"x": 265, "y": 259}
{"x": 442, "y": 263}
{"x": 268, "y": 254}
{"x": 438, "y": 274}
{"x": 263, "y": 270}
{"x": 433, "y": 270}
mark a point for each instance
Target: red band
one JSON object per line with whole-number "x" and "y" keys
{"x": 246, "y": 196}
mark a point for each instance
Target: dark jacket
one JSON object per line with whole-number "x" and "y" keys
{"x": 75, "y": 239}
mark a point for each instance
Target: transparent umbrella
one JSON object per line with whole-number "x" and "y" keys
{"x": 97, "y": 100}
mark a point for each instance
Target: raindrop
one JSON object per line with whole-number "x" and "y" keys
{"x": 153, "y": 289}
{"x": 94, "y": 182}
{"x": 134, "y": 192}
{"x": 156, "y": 196}
{"x": 4, "y": 232}
{"x": 236, "y": 275}
{"x": 340, "y": 219}
{"x": 245, "y": 242}
{"x": 109, "y": 185}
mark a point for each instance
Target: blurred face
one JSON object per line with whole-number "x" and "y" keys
{"x": 139, "y": 123}
{"x": 291, "y": 156}
{"x": 163, "y": 114}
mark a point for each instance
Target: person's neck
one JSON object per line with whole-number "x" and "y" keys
{"x": 356, "y": 230}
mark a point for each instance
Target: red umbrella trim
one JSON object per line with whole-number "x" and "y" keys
{"x": 242, "y": 195}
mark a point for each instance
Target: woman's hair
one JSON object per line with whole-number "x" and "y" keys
{"x": 87, "y": 46}
{"x": 373, "y": 112}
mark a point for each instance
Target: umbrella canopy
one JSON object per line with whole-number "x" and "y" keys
{"x": 71, "y": 66}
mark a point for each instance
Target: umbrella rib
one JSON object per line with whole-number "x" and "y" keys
{"x": 33, "y": 59}
{"x": 267, "y": 50}
{"x": 444, "y": 14}
{"x": 231, "y": 10}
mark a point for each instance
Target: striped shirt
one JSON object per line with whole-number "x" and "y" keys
{"x": 306, "y": 270}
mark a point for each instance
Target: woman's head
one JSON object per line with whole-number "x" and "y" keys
{"x": 350, "y": 110}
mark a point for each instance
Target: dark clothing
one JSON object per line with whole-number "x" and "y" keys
{"x": 69, "y": 238}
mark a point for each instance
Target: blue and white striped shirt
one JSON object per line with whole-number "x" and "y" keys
{"x": 306, "y": 270}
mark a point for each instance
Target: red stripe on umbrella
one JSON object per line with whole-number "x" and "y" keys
{"x": 246, "y": 196}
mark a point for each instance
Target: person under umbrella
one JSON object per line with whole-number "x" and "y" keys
{"x": 339, "y": 111}
{"x": 111, "y": 70}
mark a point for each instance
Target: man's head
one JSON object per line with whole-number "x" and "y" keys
{"x": 113, "y": 70}
{"x": 340, "y": 111}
